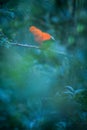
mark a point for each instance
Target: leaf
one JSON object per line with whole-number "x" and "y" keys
{"x": 71, "y": 40}
{"x": 68, "y": 93}
{"x": 78, "y": 91}
{"x": 70, "y": 88}
{"x": 80, "y": 28}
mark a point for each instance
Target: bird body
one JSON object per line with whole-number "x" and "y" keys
{"x": 39, "y": 35}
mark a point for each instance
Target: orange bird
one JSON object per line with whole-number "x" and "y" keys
{"x": 39, "y": 35}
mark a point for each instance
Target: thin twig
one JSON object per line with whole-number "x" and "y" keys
{"x": 59, "y": 52}
{"x": 36, "y": 47}
{"x": 25, "y": 45}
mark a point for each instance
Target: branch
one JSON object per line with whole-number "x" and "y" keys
{"x": 31, "y": 46}
{"x": 25, "y": 45}
{"x": 36, "y": 47}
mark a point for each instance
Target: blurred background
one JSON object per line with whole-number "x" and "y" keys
{"x": 45, "y": 88}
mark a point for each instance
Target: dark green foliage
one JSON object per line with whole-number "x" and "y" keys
{"x": 44, "y": 87}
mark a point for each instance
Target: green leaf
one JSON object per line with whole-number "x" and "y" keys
{"x": 80, "y": 28}
{"x": 71, "y": 40}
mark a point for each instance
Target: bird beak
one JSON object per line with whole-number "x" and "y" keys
{"x": 52, "y": 38}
